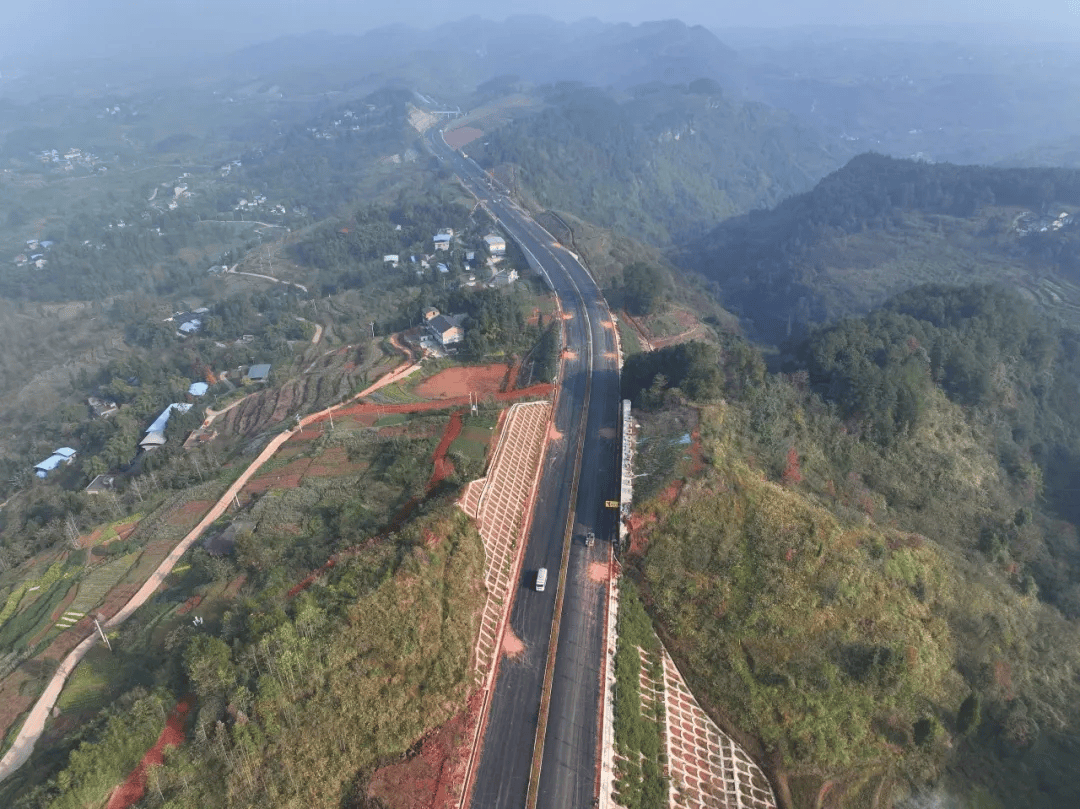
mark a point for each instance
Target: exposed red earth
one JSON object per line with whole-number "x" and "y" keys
{"x": 233, "y": 588}
{"x": 511, "y": 644}
{"x": 308, "y": 580}
{"x": 432, "y": 778}
{"x": 598, "y": 572}
{"x": 480, "y": 380}
{"x": 443, "y": 467}
{"x": 697, "y": 461}
{"x": 189, "y": 605}
{"x": 189, "y": 511}
{"x": 366, "y": 409}
{"x": 638, "y": 526}
{"x": 131, "y": 791}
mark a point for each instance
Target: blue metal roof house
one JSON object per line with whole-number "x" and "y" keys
{"x": 155, "y": 433}
{"x": 64, "y": 455}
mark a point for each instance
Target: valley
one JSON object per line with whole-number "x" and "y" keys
{"x": 761, "y": 344}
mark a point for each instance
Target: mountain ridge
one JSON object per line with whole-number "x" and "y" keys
{"x": 880, "y": 225}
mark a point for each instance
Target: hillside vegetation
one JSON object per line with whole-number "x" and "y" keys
{"x": 662, "y": 165}
{"x": 298, "y": 701}
{"x": 875, "y": 573}
{"x": 879, "y": 226}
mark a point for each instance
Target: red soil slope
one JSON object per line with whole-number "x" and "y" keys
{"x": 131, "y": 791}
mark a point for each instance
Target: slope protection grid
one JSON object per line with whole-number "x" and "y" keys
{"x": 501, "y": 504}
{"x": 498, "y": 504}
{"x": 708, "y": 768}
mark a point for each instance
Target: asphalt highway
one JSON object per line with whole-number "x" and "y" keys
{"x": 590, "y": 379}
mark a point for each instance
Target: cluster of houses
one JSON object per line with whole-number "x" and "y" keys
{"x": 69, "y": 159}
{"x": 34, "y": 254}
{"x": 188, "y": 322}
{"x": 443, "y": 241}
{"x": 348, "y": 122}
{"x": 495, "y": 244}
{"x": 256, "y": 202}
{"x": 1028, "y": 222}
{"x": 179, "y": 191}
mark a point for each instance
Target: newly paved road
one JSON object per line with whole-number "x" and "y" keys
{"x": 590, "y": 375}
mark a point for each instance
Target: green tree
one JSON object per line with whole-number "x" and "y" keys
{"x": 970, "y": 714}
{"x": 208, "y": 663}
{"x": 643, "y": 288}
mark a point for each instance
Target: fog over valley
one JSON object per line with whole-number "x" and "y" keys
{"x": 622, "y": 405}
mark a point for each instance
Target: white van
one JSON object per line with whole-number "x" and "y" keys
{"x": 541, "y": 579}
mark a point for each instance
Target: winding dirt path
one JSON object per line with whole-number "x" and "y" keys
{"x": 34, "y": 725}
{"x": 213, "y": 414}
{"x": 233, "y": 271}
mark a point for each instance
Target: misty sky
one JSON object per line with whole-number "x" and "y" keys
{"x": 49, "y": 28}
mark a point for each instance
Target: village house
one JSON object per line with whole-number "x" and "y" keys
{"x": 443, "y": 239}
{"x": 155, "y": 433}
{"x": 503, "y": 278}
{"x": 60, "y": 457}
{"x": 496, "y": 245}
{"x": 190, "y": 322}
{"x": 447, "y": 330}
{"x": 102, "y": 483}
{"x": 101, "y": 408}
{"x": 258, "y": 373}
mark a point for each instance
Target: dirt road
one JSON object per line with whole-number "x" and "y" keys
{"x": 233, "y": 271}
{"x": 34, "y": 725}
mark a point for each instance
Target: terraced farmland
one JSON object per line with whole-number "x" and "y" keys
{"x": 93, "y": 588}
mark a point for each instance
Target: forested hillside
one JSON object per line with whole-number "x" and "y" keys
{"x": 662, "y": 165}
{"x": 880, "y": 225}
{"x": 875, "y": 574}
{"x": 304, "y": 697}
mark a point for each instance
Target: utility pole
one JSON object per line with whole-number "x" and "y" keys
{"x": 102, "y": 633}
